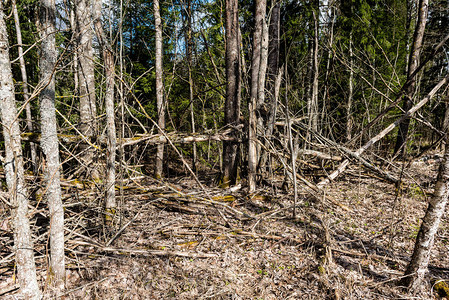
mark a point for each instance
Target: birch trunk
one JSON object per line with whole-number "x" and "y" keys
{"x": 108, "y": 58}
{"x": 418, "y": 266}
{"x": 256, "y": 64}
{"x": 26, "y": 93}
{"x": 86, "y": 80}
{"x": 13, "y": 165}
{"x": 49, "y": 141}
{"x": 233, "y": 84}
{"x": 413, "y": 65}
{"x": 273, "y": 78}
{"x": 159, "y": 88}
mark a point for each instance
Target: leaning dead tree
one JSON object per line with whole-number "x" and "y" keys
{"x": 342, "y": 167}
{"x": 15, "y": 177}
{"x": 418, "y": 266}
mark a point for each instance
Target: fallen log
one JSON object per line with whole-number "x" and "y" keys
{"x": 175, "y": 137}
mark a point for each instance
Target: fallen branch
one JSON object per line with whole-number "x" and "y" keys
{"x": 8, "y": 289}
{"x": 383, "y": 133}
{"x": 147, "y": 252}
{"x": 175, "y": 137}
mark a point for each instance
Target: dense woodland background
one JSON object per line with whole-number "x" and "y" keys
{"x": 273, "y": 125}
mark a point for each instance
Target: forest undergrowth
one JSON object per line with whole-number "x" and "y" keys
{"x": 176, "y": 241}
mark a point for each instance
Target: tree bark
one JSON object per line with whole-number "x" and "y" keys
{"x": 159, "y": 88}
{"x": 313, "y": 101}
{"x": 412, "y": 66}
{"x": 418, "y": 266}
{"x": 351, "y": 91}
{"x": 109, "y": 66}
{"x": 15, "y": 177}
{"x": 233, "y": 84}
{"x": 256, "y": 64}
{"x": 26, "y": 93}
{"x": 189, "y": 52}
{"x": 49, "y": 141}
{"x": 86, "y": 79}
{"x": 274, "y": 77}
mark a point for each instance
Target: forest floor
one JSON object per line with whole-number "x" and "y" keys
{"x": 180, "y": 242}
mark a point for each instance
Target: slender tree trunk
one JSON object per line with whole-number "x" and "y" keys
{"x": 415, "y": 54}
{"x": 293, "y": 153}
{"x": 313, "y": 101}
{"x": 15, "y": 178}
{"x": 351, "y": 92}
{"x": 418, "y": 266}
{"x": 273, "y": 76}
{"x": 49, "y": 141}
{"x": 262, "y": 72}
{"x": 26, "y": 93}
{"x": 274, "y": 33}
{"x": 75, "y": 53}
{"x": 327, "y": 87}
{"x": 189, "y": 52}
{"x": 233, "y": 84}
{"x": 261, "y": 107}
{"x": 109, "y": 66}
{"x": 86, "y": 80}
{"x": 159, "y": 88}
{"x": 256, "y": 64}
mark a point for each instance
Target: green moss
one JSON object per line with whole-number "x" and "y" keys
{"x": 109, "y": 214}
{"x": 224, "y": 182}
{"x": 442, "y": 288}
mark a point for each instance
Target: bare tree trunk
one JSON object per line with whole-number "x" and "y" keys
{"x": 262, "y": 72}
{"x": 261, "y": 113}
{"x": 292, "y": 151}
{"x": 233, "y": 84}
{"x": 418, "y": 266}
{"x": 15, "y": 179}
{"x": 313, "y": 105}
{"x": 86, "y": 80}
{"x": 49, "y": 141}
{"x": 330, "y": 32}
{"x": 26, "y": 93}
{"x": 256, "y": 64}
{"x": 75, "y": 53}
{"x": 109, "y": 66}
{"x": 412, "y": 66}
{"x": 159, "y": 88}
{"x": 351, "y": 92}
{"x": 189, "y": 52}
{"x": 273, "y": 78}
